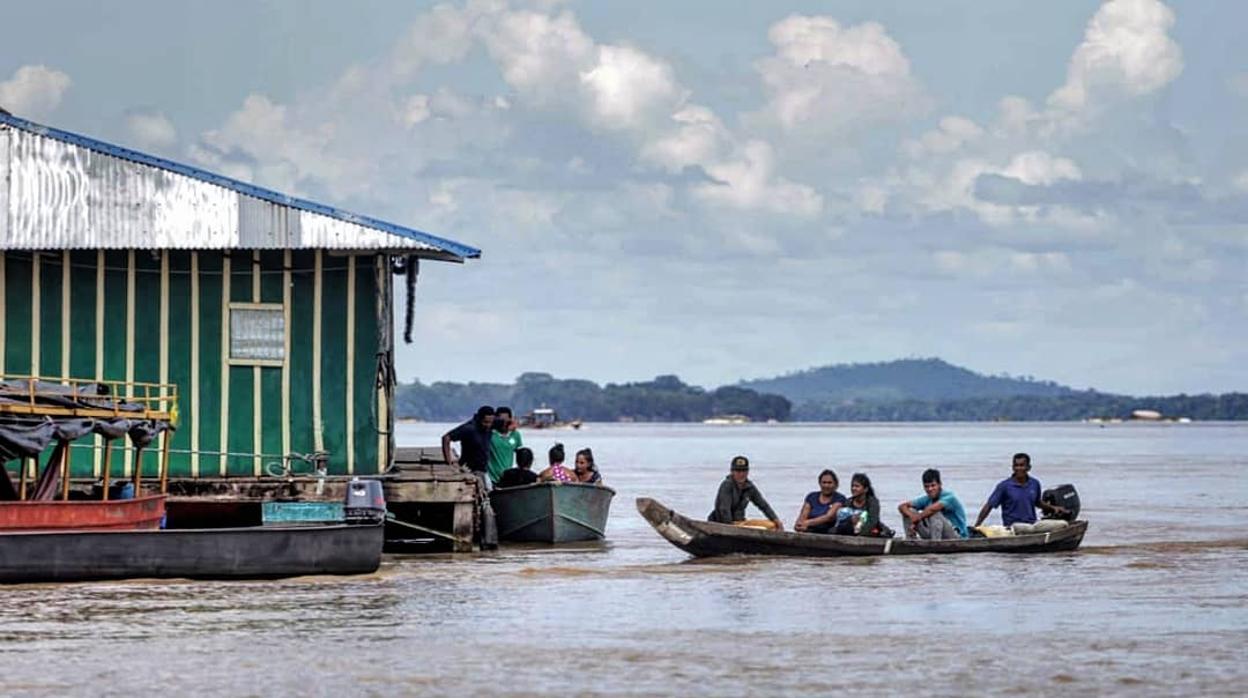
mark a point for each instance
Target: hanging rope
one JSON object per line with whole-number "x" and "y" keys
{"x": 411, "y": 268}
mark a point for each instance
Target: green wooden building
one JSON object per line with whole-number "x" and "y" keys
{"x": 271, "y": 315}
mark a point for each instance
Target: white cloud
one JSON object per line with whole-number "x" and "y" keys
{"x": 952, "y": 134}
{"x": 698, "y": 137}
{"x": 987, "y": 262}
{"x": 825, "y": 78}
{"x": 628, "y": 88}
{"x": 1039, "y": 167}
{"x": 955, "y": 188}
{"x": 1126, "y": 50}
{"x": 442, "y": 35}
{"x": 1240, "y": 182}
{"x": 539, "y": 55}
{"x": 415, "y": 110}
{"x": 151, "y": 130}
{"x": 750, "y": 183}
{"x": 34, "y": 90}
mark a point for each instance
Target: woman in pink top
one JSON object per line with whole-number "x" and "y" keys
{"x": 556, "y": 471}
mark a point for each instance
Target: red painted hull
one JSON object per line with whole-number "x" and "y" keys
{"x": 56, "y": 515}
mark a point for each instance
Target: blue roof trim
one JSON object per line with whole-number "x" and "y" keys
{"x": 455, "y": 248}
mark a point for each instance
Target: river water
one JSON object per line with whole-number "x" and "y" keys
{"x": 1155, "y": 603}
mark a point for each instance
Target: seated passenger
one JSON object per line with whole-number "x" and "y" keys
{"x": 523, "y": 473}
{"x": 555, "y": 471}
{"x": 1018, "y": 496}
{"x": 584, "y": 468}
{"x": 936, "y": 515}
{"x": 819, "y": 511}
{"x": 861, "y": 511}
{"x": 736, "y": 492}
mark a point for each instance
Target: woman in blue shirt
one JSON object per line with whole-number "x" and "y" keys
{"x": 819, "y": 510}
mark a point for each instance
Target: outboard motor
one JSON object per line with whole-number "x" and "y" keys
{"x": 365, "y": 502}
{"x": 1063, "y": 496}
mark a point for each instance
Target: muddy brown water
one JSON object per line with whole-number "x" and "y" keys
{"x": 1155, "y": 603}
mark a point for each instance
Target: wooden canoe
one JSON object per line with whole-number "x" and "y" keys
{"x": 705, "y": 539}
{"x": 552, "y": 512}
{"x": 260, "y": 552}
{"x": 54, "y": 514}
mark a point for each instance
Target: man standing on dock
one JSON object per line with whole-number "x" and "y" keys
{"x": 474, "y": 445}
{"x": 504, "y": 441}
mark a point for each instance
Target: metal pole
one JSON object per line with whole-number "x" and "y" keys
{"x": 138, "y": 470}
{"x": 65, "y": 473}
{"x": 165, "y": 437}
{"x": 21, "y": 486}
{"x": 108, "y": 461}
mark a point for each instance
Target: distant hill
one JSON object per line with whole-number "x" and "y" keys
{"x": 894, "y": 381}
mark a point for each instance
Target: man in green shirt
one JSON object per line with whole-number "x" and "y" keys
{"x": 503, "y": 443}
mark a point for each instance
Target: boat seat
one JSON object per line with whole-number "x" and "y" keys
{"x": 1041, "y": 526}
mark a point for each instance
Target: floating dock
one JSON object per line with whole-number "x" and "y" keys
{"x": 433, "y": 506}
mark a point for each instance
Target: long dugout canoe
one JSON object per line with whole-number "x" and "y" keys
{"x": 209, "y": 553}
{"x": 552, "y": 512}
{"x": 706, "y": 539}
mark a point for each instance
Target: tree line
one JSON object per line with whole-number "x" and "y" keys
{"x": 1077, "y": 406}
{"x": 664, "y": 399}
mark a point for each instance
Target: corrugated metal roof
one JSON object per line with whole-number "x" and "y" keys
{"x": 61, "y": 190}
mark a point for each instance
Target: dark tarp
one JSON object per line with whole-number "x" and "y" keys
{"x": 23, "y": 436}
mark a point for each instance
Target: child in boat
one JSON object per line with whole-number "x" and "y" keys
{"x": 523, "y": 473}
{"x": 819, "y": 511}
{"x": 585, "y": 470}
{"x": 555, "y": 471}
{"x": 861, "y": 511}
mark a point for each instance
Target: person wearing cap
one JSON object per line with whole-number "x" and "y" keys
{"x": 736, "y": 492}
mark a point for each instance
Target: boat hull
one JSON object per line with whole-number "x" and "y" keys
{"x": 706, "y": 539}
{"x": 548, "y": 512}
{"x": 113, "y": 514}
{"x": 219, "y": 553}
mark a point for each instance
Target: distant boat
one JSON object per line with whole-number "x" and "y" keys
{"x": 727, "y": 419}
{"x": 546, "y": 418}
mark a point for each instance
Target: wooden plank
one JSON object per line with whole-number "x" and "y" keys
{"x": 364, "y": 395}
{"x": 84, "y": 284}
{"x": 334, "y": 361}
{"x": 179, "y": 368}
{"x": 302, "y": 417}
{"x": 17, "y": 312}
{"x": 50, "y": 300}
{"x": 113, "y": 348}
{"x": 147, "y": 337}
{"x": 241, "y": 420}
{"x": 462, "y": 526}
{"x": 208, "y": 407}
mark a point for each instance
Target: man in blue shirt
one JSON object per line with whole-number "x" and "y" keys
{"x": 937, "y": 514}
{"x": 1018, "y": 496}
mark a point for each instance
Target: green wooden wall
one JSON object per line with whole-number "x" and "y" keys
{"x": 163, "y": 316}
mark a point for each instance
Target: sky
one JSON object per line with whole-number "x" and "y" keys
{"x": 723, "y": 189}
